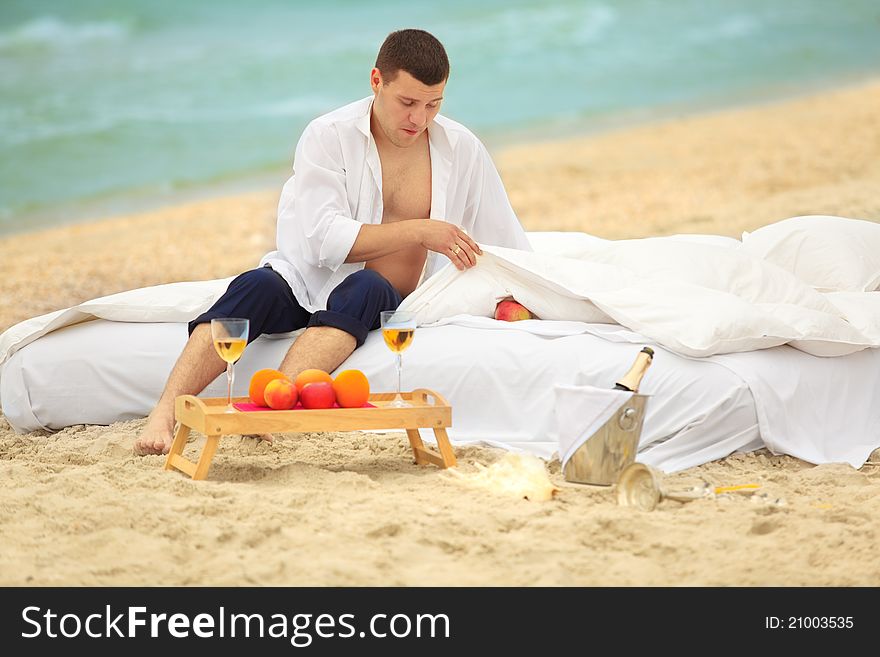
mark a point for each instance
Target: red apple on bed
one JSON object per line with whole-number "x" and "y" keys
{"x": 509, "y": 310}
{"x": 280, "y": 394}
{"x": 318, "y": 395}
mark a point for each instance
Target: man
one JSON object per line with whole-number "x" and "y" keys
{"x": 385, "y": 192}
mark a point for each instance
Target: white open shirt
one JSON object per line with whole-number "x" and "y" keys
{"x": 337, "y": 186}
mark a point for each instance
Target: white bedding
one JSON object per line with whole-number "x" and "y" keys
{"x": 704, "y": 304}
{"x": 696, "y": 299}
{"x": 500, "y": 380}
{"x": 101, "y": 372}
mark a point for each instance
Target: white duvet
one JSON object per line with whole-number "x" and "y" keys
{"x": 696, "y": 298}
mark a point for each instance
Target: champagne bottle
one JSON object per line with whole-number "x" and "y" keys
{"x": 631, "y": 380}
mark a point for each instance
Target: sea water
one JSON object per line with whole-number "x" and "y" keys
{"x": 104, "y": 100}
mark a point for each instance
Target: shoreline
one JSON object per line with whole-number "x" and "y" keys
{"x": 582, "y": 126}
{"x": 271, "y": 179}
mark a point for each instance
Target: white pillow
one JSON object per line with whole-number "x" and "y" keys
{"x": 861, "y": 310}
{"x": 171, "y": 302}
{"x": 699, "y": 299}
{"x": 832, "y": 254}
{"x": 721, "y": 268}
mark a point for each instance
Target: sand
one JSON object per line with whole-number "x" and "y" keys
{"x": 352, "y": 508}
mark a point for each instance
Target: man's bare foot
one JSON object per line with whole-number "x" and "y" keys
{"x": 156, "y": 437}
{"x": 268, "y": 437}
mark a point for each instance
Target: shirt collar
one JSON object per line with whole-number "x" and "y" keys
{"x": 363, "y": 121}
{"x": 440, "y": 138}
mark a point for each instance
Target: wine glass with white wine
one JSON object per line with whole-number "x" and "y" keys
{"x": 398, "y": 330}
{"x": 230, "y": 336}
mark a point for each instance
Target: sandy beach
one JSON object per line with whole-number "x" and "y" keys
{"x": 351, "y": 508}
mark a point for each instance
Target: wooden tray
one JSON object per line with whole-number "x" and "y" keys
{"x": 209, "y": 416}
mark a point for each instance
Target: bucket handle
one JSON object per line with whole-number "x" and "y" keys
{"x": 628, "y": 418}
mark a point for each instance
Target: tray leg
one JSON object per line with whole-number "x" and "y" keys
{"x": 415, "y": 441}
{"x": 423, "y": 455}
{"x": 445, "y": 448}
{"x": 177, "y": 445}
{"x": 205, "y": 459}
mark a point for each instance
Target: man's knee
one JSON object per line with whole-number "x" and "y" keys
{"x": 249, "y": 294}
{"x": 354, "y": 306}
{"x": 368, "y": 280}
{"x": 364, "y": 293}
{"x": 261, "y": 282}
{"x": 365, "y": 287}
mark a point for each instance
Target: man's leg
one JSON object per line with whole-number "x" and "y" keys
{"x": 260, "y": 295}
{"x": 197, "y": 366}
{"x": 319, "y": 347}
{"x": 353, "y": 310}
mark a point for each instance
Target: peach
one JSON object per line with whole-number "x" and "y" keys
{"x": 317, "y": 395}
{"x": 509, "y": 310}
{"x": 259, "y": 381}
{"x": 280, "y": 394}
{"x": 311, "y": 376}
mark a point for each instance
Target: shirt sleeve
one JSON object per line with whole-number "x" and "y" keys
{"x": 490, "y": 218}
{"x": 314, "y": 218}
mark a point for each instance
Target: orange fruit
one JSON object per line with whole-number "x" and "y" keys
{"x": 259, "y": 381}
{"x": 311, "y": 376}
{"x": 352, "y": 388}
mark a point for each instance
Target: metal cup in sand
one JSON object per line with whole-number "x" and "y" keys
{"x": 602, "y": 457}
{"x": 641, "y": 486}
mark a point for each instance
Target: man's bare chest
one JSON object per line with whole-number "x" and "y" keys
{"x": 406, "y": 187}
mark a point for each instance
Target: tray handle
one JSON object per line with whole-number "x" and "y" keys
{"x": 191, "y": 403}
{"x": 423, "y": 394}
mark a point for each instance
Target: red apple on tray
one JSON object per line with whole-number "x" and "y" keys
{"x": 509, "y": 310}
{"x": 317, "y": 395}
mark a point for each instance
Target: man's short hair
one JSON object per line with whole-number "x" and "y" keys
{"x": 415, "y": 51}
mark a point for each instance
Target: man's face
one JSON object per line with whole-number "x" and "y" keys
{"x": 404, "y": 107}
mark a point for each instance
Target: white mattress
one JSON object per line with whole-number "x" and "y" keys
{"x": 101, "y": 372}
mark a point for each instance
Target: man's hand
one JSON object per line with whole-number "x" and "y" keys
{"x": 451, "y": 241}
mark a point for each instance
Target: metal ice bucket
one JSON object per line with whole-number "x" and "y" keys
{"x": 603, "y": 456}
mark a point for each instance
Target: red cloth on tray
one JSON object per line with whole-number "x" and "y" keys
{"x": 247, "y": 407}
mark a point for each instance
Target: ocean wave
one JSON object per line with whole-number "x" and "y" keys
{"x": 530, "y": 28}
{"x": 50, "y": 32}
{"x": 299, "y": 106}
{"x": 16, "y": 130}
{"x": 731, "y": 27}
{"x": 17, "y": 135}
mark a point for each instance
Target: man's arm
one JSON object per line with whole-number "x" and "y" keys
{"x": 315, "y": 223}
{"x": 314, "y": 218}
{"x": 377, "y": 240}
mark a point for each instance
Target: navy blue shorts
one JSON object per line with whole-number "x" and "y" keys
{"x": 264, "y": 297}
